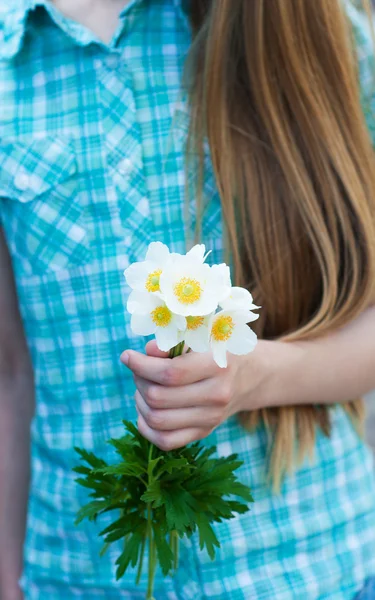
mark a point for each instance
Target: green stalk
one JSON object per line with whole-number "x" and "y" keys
{"x": 152, "y": 555}
{"x": 152, "y": 558}
{"x": 177, "y": 350}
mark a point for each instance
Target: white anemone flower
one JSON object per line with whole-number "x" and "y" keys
{"x": 229, "y": 333}
{"x": 238, "y": 299}
{"x": 192, "y": 288}
{"x": 151, "y": 316}
{"x": 144, "y": 276}
{"x": 197, "y": 333}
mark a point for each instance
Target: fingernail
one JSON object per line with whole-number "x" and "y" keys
{"x": 125, "y": 358}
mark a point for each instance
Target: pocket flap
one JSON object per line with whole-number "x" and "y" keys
{"x": 28, "y": 170}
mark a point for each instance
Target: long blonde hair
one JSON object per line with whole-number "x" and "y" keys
{"x": 275, "y": 90}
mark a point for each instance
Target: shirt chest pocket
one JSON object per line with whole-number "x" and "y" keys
{"x": 44, "y": 221}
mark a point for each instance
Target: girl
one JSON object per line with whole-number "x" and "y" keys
{"x": 264, "y": 151}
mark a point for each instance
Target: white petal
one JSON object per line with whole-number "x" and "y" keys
{"x": 220, "y": 281}
{"x": 222, "y": 273}
{"x": 242, "y": 341}
{"x": 142, "y": 325}
{"x": 199, "y": 339}
{"x": 197, "y": 253}
{"x": 238, "y": 299}
{"x": 166, "y": 337}
{"x": 219, "y": 352}
{"x": 142, "y": 302}
{"x": 181, "y": 335}
{"x": 157, "y": 253}
{"x": 137, "y": 274}
{"x": 242, "y": 316}
{"x": 179, "y": 322}
{"x": 204, "y": 306}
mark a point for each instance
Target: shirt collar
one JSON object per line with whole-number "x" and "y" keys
{"x": 13, "y": 22}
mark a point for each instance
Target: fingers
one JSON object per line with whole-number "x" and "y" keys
{"x": 202, "y": 393}
{"x": 195, "y": 417}
{"x": 170, "y": 440}
{"x": 182, "y": 370}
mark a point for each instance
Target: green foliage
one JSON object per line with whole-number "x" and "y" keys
{"x": 161, "y": 496}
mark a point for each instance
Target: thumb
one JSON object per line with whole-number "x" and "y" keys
{"x": 153, "y": 350}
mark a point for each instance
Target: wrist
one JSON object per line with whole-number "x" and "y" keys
{"x": 285, "y": 364}
{"x": 276, "y": 367}
{"x": 253, "y": 377}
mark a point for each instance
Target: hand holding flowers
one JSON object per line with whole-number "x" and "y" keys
{"x": 176, "y": 298}
{"x": 184, "y": 399}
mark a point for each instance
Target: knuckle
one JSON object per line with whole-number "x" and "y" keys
{"x": 224, "y": 394}
{"x": 165, "y": 443}
{"x": 153, "y": 396}
{"x": 172, "y": 376}
{"x": 215, "y": 419}
{"x": 203, "y": 433}
{"x": 155, "y": 419}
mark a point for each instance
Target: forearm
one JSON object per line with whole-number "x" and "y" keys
{"x": 329, "y": 370}
{"x": 16, "y": 411}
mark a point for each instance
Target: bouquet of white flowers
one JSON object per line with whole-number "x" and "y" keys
{"x": 163, "y": 496}
{"x": 176, "y": 297}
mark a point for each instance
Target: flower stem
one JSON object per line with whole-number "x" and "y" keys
{"x": 177, "y": 350}
{"x": 152, "y": 558}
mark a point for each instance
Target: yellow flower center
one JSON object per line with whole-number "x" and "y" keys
{"x": 188, "y": 290}
{"x": 222, "y": 329}
{"x": 153, "y": 281}
{"x": 161, "y": 316}
{"x": 194, "y": 323}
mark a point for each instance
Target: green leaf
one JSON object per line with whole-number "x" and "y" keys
{"x": 152, "y": 464}
{"x": 153, "y": 494}
{"x": 102, "y": 487}
{"x": 90, "y": 458}
{"x": 103, "y": 550}
{"x": 132, "y": 548}
{"x": 164, "y": 552}
{"x": 207, "y": 537}
{"x": 133, "y": 430}
{"x": 129, "y": 555}
{"x": 91, "y": 510}
{"x": 126, "y": 523}
{"x": 82, "y": 470}
{"x": 123, "y": 468}
{"x": 179, "y": 514}
{"x": 172, "y": 464}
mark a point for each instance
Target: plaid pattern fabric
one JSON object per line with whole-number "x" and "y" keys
{"x": 92, "y": 170}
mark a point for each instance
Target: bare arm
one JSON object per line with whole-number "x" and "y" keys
{"x": 332, "y": 369}
{"x": 16, "y": 409}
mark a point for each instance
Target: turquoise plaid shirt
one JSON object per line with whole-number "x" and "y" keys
{"x": 91, "y": 171}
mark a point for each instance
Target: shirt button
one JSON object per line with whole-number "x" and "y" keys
{"x": 124, "y": 166}
{"x": 22, "y": 182}
{"x": 112, "y": 61}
